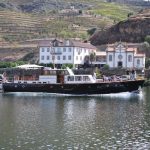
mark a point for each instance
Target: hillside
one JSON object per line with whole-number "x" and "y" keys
{"x": 48, "y": 20}
{"x": 22, "y": 20}
{"x": 134, "y": 29}
{"x": 15, "y": 26}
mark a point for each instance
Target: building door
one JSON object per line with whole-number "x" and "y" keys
{"x": 120, "y": 64}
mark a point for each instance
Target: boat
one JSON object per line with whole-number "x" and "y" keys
{"x": 64, "y": 81}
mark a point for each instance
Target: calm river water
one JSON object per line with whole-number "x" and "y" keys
{"x": 32, "y": 121}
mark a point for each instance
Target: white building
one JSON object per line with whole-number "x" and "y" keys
{"x": 124, "y": 56}
{"x": 61, "y": 52}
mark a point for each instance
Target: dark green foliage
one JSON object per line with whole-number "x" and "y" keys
{"x": 106, "y": 66}
{"x": 130, "y": 14}
{"x": 147, "y": 63}
{"x": 11, "y": 64}
{"x": 91, "y": 31}
{"x": 67, "y": 65}
{"x": 92, "y": 57}
{"x": 147, "y": 39}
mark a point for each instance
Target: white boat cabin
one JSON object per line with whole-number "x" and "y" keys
{"x": 57, "y": 76}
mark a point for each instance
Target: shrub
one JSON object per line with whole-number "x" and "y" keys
{"x": 106, "y": 66}
{"x": 64, "y": 66}
{"x": 147, "y": 39}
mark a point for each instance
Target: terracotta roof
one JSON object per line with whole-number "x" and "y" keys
{"x": 110, "y": 49}
{"x": 100, "y": 53}
{"x": 127, "y": 49}
{"x": 62, "y": 43}
{"x": 139, "y": 55}
{"x": 45, "y": 43}
{"x": 131, "y": 49}
{"x": 82, "y": 44}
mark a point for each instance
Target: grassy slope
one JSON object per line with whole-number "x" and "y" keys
{"x": 28, "y": 26}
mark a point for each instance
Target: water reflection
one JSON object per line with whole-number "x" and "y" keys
{"x": 44, "y": 121}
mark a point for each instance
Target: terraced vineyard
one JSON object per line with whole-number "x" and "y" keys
{"x": 18, "y": 26}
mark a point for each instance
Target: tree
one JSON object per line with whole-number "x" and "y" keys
{"x": 130, "y": 14}
{"x": 92, "y": 57}
{"x": 106, "y": 66}
{"x": 91, "y": 31}
{"x": 147, "y": 39}
{"x": 147, "y": 63}
{"x": 146, "y": 48}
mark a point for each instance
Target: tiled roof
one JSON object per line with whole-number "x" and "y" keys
{"x": 45, "y": 43}
{"x": 139, "y": 55}
{"x": 62, "y": 43}
{"x": 82, "y": 44}
{"x": 100, "y": 53}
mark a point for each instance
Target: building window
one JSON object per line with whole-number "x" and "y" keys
{"x": 129, "y": 58}
{"x": 47, "y": 57}
{"x": 110, "y": 57}
{"x": 58, "y": 50}
{"x": 64, "y": 49}
{"x": 53, "y": 57}
{"x": 79, "y": 50}
{"x": 48, "y": 49}
{"x": 69, "y": 49}
{"x": 80, "y": 57}
{"x": 69, "y": 57}
{"x": 138, "y": 61}
{"x": 76, "y": 57}
{"x": 64, "y": 57}
{"x": 58, "y": 57}
{"x": 42, "y": 49}
{"x": 42, "y": 57}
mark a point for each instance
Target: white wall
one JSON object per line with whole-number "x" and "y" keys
{"x": 110, "y": 63}
{"x": 141, "y": 64}
{"x": 44, "y": 52}
{"x": 80, "y": 53}
{"x": 130, "y": 64}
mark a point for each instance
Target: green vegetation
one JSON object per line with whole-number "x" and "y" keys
{"x": 67, "y": 65}
{"x": 11, "y": 64}
{"x": 147, "y": 39}
{"x": 147, "y": 62}
{"x": 106, "y": 66}
{"x": 19, "y": 26}
{"x": 112, "y": 10}
{"x": 92, "y": 57}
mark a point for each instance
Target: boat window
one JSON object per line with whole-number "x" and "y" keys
{"x": 66, "y": 72}
{"x": 86, "y": 78}
{"x": 46, "y": 72}
{"x": 70, "y": 78}
{"x": 53, "y": 72}
{"x": 78, "y": 78}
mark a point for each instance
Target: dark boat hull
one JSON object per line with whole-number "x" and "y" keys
{"x": 88, "y": 88}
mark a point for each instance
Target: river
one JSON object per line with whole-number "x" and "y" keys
{"x": 32, "y": 121}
